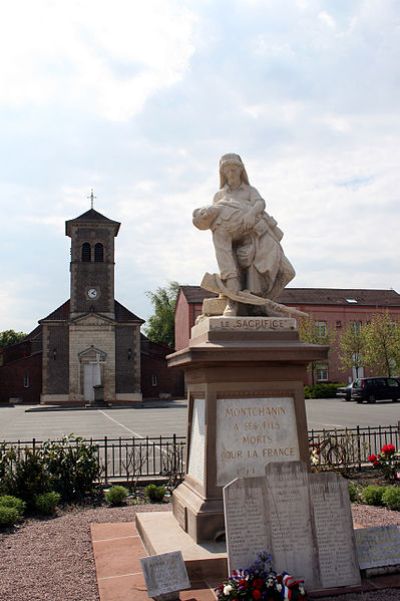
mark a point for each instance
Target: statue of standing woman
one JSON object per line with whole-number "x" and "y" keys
{"x": 247, "y": 243}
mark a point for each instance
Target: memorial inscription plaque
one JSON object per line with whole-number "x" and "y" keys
{"x": 304, "y": 520}
{"x": 378, "y": 547}
{"x": 334, "y": 530}
{"x": 290, "y": 521}
{"x": 245, "y": 521}
{"x": 252, "y": 432}
{"x": 165, "y": 575}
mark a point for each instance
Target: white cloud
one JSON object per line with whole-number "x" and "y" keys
{"x": 110, "y": 61}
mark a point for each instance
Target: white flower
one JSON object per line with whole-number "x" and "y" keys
{"x": 227, "y": 589}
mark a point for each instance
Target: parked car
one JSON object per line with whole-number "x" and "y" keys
{"x": 373, "y": 389}
{"x": 345, "y": 391}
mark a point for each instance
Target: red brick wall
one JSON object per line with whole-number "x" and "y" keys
{"x": 12, "y": 379}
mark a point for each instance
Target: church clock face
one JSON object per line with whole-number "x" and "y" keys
{"x": 92, "y": 293}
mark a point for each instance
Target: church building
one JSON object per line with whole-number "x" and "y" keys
{"x": 90, "y": 348}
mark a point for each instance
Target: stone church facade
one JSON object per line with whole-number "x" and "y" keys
{"x": 90, "y": 348}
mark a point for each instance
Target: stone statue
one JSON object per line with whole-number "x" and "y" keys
{"x": 253, "y": 267}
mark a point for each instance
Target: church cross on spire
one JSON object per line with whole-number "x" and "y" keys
{"x": 92, "y": 197}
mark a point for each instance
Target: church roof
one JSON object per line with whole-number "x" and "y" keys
{"x": 121, "y": 313}
{"x": 91, "y": 216}
{"x": 315, "y": 296}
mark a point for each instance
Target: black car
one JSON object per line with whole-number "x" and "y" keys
{"x": 345, "y": 391}
{"x": 374, "y": 389}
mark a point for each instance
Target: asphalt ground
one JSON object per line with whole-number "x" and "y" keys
{"x": 167, "y": 418}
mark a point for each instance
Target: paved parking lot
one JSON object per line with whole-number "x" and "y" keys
{"x": 155, "y": 419}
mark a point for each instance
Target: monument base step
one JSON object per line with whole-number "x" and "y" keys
{"x": 161, "y": 533}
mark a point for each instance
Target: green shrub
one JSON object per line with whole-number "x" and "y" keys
{"x": 155, "y": 493}
{"x": 372, "y": 494}
{"x": 321, "y": 391}
{"x": 10, "y": 501}
{"x": 391, "y": 497}
{"x": 73, "y": 466}
{"x": 116, "y": 495}
{"x": 354, "y": 492}
{"x": 47, "y": 502}
{"x": 30, "y": 477}
{"x": 8, "y": 516}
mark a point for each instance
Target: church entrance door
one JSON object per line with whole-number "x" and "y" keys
{"x": 91, "y": 377}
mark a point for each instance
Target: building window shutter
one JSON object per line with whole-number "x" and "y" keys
{"x": 99, "y": 253}
{"x": 86, "y": 252}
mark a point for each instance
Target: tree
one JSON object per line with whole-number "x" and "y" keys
{"x": 382, "y": 344}
{"x": 352, "y": 346}
{"x": 8, "y": 337}
{"x": 316, "y": 332}
{"x": 161, "y": 325}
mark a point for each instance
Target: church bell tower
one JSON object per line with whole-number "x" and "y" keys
{"x": 92, "y": 263}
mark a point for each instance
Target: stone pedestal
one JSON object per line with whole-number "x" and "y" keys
{"x": 244, "y": 378}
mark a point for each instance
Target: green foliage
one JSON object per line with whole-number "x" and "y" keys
{"x": 15, "y": 502}
{"x": 321, "y": 391}
{"x": 69, "y": 466}
{"x": 46, "y": 503}
{"x": 351, "y": 347}
{"x": 155, "y": 493}
{"x": 382, "y": 344}
{"x": 116, "y": 495}
{"x": 29, "y": 476}
{"x": 8, "y": 337}
{"x": 372, "y": 494}
{"x": 161, "y": 326}
{"x": 73, "y": 466}
{"x": 354, "y": 492}
{"x": 7, "y": 456}
{"x": 391, "y": 497}
{"x": 8, "y": 516}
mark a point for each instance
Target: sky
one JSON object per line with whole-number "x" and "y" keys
{"x": 139, "y": 100}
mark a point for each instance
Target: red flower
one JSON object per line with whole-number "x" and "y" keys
{"x": 258, "y": 582}
{"x": 388, "y": 449}
{"x": 243, "y": 583}
{"x": 372, "y": 458}
{"x": 256, "y": 594}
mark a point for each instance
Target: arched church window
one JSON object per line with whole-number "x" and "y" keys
{"x": 86, "y": 252}
{"x": 99, "y": 253}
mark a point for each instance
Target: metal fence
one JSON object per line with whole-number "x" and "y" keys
{"x": 134, "y": 459}
{"x": 351, "y": 447}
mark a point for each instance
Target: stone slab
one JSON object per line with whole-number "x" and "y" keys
{"x": 165, "y": 574}
{"x": 252, "y": 432}
{"x": 290, "y": 521}
{"x": 304, "y": 520}
{"x": 161, "y": 533}
{"x": 378, "y": 547}
{"x": 334, "y": 530}
{"x": 245, "y": 521}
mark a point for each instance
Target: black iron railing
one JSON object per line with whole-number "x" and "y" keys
{"x": 134, "y": 459}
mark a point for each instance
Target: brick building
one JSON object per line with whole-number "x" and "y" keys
{"x": 331, "y": 308}
{"x": 91, "y": 340}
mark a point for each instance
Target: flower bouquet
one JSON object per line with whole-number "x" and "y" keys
{"x": 260, "y": 582}
{"x": 388, "y": 460}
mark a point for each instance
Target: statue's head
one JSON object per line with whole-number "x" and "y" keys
{"x": 229, "y": 160}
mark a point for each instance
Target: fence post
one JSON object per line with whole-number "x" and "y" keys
{"x": 174, "y": 454}
{"x": 359, "y": 448}
{"x": 105, "y": 461}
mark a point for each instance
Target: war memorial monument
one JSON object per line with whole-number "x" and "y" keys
{"x": 248, "y": 484}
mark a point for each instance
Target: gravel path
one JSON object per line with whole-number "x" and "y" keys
{"x": 52, "y": 560}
